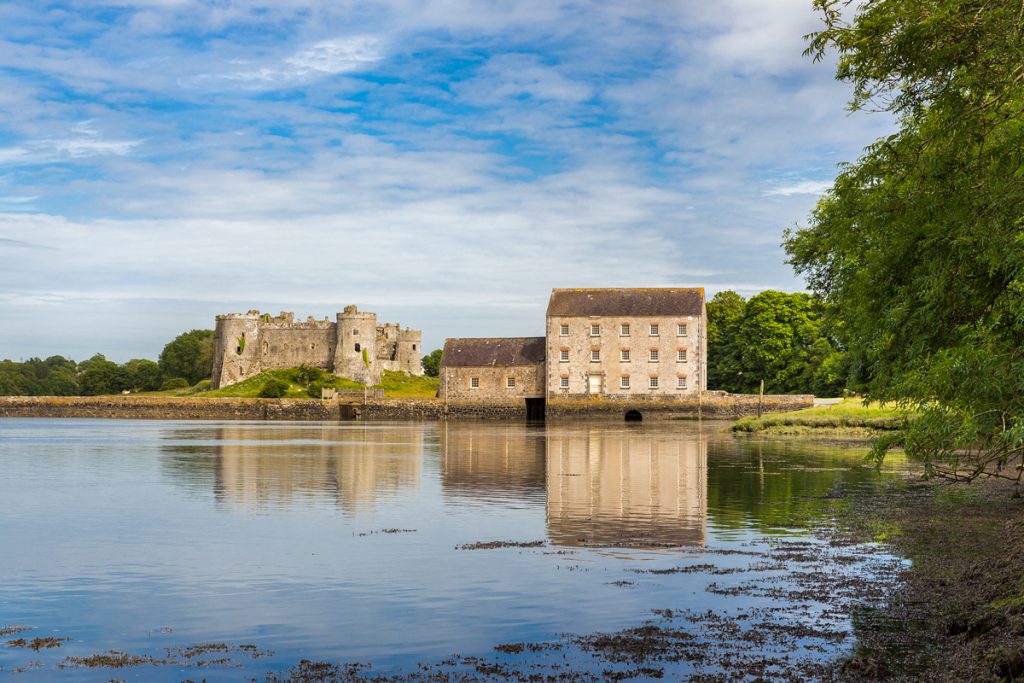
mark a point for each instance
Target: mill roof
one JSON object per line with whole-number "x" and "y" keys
{"x": 625, "y": 301}
{"x": 492, "y": 351}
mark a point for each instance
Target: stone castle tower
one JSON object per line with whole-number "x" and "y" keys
{"x": 354, "y": 346}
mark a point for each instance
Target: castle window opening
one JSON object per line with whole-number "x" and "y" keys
{"x": 413, "y": 347}
{"x": 355, "y": 333}
{"x": 358, "y": 348}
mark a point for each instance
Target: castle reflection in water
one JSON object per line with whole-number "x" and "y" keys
{"x": 602, "y": 486}
{"x": 273, "y": 466}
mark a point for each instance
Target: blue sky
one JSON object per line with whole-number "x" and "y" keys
{"x": 442, "y": 162}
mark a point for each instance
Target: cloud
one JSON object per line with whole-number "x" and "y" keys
{"x": 321, "y": 59}
{"x": 815, "y": 187}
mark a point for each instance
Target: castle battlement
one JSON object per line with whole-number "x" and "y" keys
{"x": 353, "y": 346}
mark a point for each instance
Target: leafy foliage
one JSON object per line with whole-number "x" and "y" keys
{"x": 778, "y": 337}
{"x": 101, "y": 376}
{"x": 918, "y": 247}
{"x": 432, "y": 363}
{"x": 189, "y": 355}
{"x": 274, "y": 388}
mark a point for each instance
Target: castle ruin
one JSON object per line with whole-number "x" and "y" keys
{"x": 354, "y": 346}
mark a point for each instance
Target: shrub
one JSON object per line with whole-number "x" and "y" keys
{"x": 274, "y": 388}
{"x": 174, "y": 383}
{"x": 305, "y": 374}
{"x": 314, "y": 390}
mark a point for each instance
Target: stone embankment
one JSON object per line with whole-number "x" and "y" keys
{"x": 711, "y": 405}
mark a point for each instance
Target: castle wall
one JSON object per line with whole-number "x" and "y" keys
{"x": 353, "y": 346}
{"x": 282, "y": 347}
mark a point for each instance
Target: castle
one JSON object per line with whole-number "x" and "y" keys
{"x": 353, "y": 346}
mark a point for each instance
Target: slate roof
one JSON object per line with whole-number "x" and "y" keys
{"x": 493, "y": 352}
{"x": 627, "y": 302}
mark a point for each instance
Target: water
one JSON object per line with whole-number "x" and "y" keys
{"x": 341, "y": 542}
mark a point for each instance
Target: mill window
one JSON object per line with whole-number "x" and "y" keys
{"x": 595, "y": 355}
{"x": 654, "y": 330}
{"x": 563, "y": 382}
{"x": 595, "y": 330}
{"x": 680, "y": 382}
{"x": 653, "y": 383}
{"x": 654, "y": 355}
{"x": 681, "y": 355}
{"x": 624, "y": 330}
{"x": 563, "y": 355}
{"x": 624, "y": 382}
{"x": 563, "y": 330}
{"x": 510, "y": 382}
{"x": 474, "y": 382}
{"x": 624, "y": 355}
{"x": 681, "y": 330}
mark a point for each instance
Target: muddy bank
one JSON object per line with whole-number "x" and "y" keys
{"x": 958, "y": 613}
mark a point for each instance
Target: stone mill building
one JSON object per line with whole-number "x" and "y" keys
{"x": 354, "y": 346}
{"x": 627, "y": 344}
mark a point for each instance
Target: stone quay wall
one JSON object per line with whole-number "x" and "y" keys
{"x": 713, "y": 405}
{"x": 165, "y": 408}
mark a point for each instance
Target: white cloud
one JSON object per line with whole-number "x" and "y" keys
{"x": 814, "y": 187}
{"x": 324, "y": 58}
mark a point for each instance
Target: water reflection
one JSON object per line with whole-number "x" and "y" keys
{"x": 492, "y": 461}
{"x": 632, "y": 488}
{"x": 274, "y": 467}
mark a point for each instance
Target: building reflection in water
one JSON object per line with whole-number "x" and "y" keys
{"x": 626, "y": 488}
{"x": 487, "y": 461}
{"x": 270, "y": 467}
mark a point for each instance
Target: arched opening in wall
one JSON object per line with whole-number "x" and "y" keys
{"x": 634, "y": 416}
{"x": 358, "y": 348}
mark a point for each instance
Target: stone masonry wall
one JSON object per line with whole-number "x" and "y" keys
{"x": 580, "y": 344}
{"x": 493, "y": 383}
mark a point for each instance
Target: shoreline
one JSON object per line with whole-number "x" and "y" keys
{"x": 713, "y": 405}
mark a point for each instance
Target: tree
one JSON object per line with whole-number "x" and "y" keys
{"x": 725, "y": 312}
{"x": 189, "y": 355}
{"x": 918, "y": 247}
{"x": 101, "y": 376}
{"x": 776, "y": 337}
{"x": 432, "y": 363}
{"x": 143, "y": 374}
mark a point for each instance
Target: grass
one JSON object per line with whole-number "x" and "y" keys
{"x": 851, "y": 415}
{"x": 394, "y": 384}
{"x": 401, "y": 385}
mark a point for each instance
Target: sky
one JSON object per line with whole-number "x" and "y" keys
{"x": 444, "y": 163}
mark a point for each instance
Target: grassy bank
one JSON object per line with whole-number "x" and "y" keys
{"x": 851, "y": 416}
{"x": 959, "y": 612}
{"x": 307, "y": 382}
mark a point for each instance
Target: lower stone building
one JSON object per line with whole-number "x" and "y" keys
{"x": 500, "y": 369}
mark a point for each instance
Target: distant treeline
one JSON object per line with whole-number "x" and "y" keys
{"x": 184, "y": 361}
{"x": 780, "y": 338}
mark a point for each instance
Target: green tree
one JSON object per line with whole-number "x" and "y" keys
{"x": 189, "y": 355}
{"x": 101, "y": 376}
{"x": 274, "y": 388}
{"x": 143, "y": 374}
{"x": 778, "y": 337}
{"x": 918, "y": 247}
{"x": 432, "y": 363}
{"x": 725, "y": 346}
